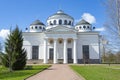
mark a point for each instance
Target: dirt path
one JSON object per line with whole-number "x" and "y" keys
{"x": 56, "y": 72}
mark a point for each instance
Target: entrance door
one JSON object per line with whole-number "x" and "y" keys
{"x": 86, "y": 53}
{"x": 51, "y": 53}
{"x": 35, "y": 51}
{"x": 69, "y": 54}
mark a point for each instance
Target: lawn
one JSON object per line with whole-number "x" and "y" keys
{"x": 98, "y": 72}
{"x": 21, "y": 74}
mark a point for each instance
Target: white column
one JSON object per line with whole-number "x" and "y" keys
{"x": 74, "y": 52}
{"x": 65, "y": 52}
{"x": 55, "y": 51}
{"x": 45, "y": 52}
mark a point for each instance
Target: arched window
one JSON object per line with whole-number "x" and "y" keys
{"x": 69, "y": 23}
{"x": 60, "y": 22}
{"x": 35, "y": 27}
{"x": 54, "y": 22}
{"x": 88, "y": 27}
{"x": 51, "y": 23}
{"x": 40, "y": 27}
{"x": 65, "y": 22}
{"x": 80, "y": 27}
{"x": 43, "y": 29}
{"x": 32, "y": 27}
{"x": 84, "y": 27}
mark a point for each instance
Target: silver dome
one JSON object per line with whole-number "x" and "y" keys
{"x": 83, "y": 22}
{"x": 37, "y": 22}
{"x": 60, "y": 14}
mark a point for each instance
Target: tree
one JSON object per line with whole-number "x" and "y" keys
{"x": 118, "y": 57}
{"x": 14, "y": 56}
{"x": 112, "y": 23}
{"x": 0, "y": 47}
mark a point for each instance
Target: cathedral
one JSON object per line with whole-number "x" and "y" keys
{"x": 62, "y": 41}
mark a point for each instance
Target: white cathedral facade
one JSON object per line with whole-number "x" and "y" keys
{"x": 60, "y": 41}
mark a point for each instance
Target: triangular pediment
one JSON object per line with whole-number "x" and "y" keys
{"x": 60, "y": 29}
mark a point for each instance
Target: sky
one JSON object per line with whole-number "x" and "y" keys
{"x": 24, "y": 12}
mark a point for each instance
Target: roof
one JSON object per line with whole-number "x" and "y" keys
{"x": 37, "y": 22}
{"x": 60, "y": 14}
{"x": 83, "y": 22}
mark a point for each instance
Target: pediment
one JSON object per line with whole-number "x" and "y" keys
{"x": 60, "y": 29}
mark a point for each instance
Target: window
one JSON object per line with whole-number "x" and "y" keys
{"x": 35, "y": 27}
{"x": 35, "y": 51}
{"x": 65, "y": 22}
{"x": 88, "y": 27}
{"x": 32, "y": 27}
{"x": 54, "y": 22}
{"x": 69, "y": 54}
{"x": 51, "y": 23}
{"x": 85, "y": 49}
{"x": 43, "y": 29}
{"x": 51, "y": 41}
{"x": 69, "y": 23}
{"x": 60, "y": 41}
{"x": 60, "y": 22}
{"x": 69, "y": 41}
{"x": 40, "y": 27}
{"x": 51, "y": 51}
{"x": 84, "y": 27}
{"x": 80, "y": 27}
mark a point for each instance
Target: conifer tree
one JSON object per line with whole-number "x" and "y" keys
{"x": 15, "y": 55}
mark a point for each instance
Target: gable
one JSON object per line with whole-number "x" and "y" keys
{"x": 60, "y": 29}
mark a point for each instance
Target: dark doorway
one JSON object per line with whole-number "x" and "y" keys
{"x": 51, "y": 53}
{"x": 86, "y": 53}
{"x": 69, "y": 54}
{"x": 35, "y": 51}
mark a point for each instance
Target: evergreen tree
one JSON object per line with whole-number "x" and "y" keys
{"x": 15, "y": 55}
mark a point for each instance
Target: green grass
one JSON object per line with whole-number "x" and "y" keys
{"x": 20, "y": 74}
{"x": 98, "y": 72}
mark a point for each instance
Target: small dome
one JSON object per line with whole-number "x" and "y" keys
{"x": 83, "y": 26}
{"x": 37, "y": 26}
{"x": 82, "y": 22}
{"x": 60, "y": 14}
{"x": 37, "y": 22}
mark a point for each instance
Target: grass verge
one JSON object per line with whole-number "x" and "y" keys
{"x": 98, "y": 72}
{"x": 21, "y": 74}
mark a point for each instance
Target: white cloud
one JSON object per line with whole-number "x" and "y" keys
{"x": 89, "y": 18}
{"x": 4, "y": 33}
{"x": 100, "y": 29}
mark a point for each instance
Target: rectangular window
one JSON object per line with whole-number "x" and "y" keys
{"x": 69, "y": 51}
{"x": 51, "y": 53}
{"x": 85, "y": 52}
{"x": 35, "y": 51}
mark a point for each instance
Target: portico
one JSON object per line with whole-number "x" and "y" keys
{"x": 55, "y": 42}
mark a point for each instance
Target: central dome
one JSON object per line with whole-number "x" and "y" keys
{"x": 60, "y": 18}
{"x": 60, "y": 14}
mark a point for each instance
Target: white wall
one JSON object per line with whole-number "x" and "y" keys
{"x": 88, "y": 39}
{"x": 85, "y": 38}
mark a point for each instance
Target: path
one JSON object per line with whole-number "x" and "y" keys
{"x": 56, "y": 72}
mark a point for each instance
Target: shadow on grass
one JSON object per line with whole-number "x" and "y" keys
{"x": 21, "y": 74}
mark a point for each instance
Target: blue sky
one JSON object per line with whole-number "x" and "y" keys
{"x": 24, "y": 12}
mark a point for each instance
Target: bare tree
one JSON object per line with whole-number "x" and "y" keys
{"x": 112, "y": 24}
{"x": 0, "y": 47}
